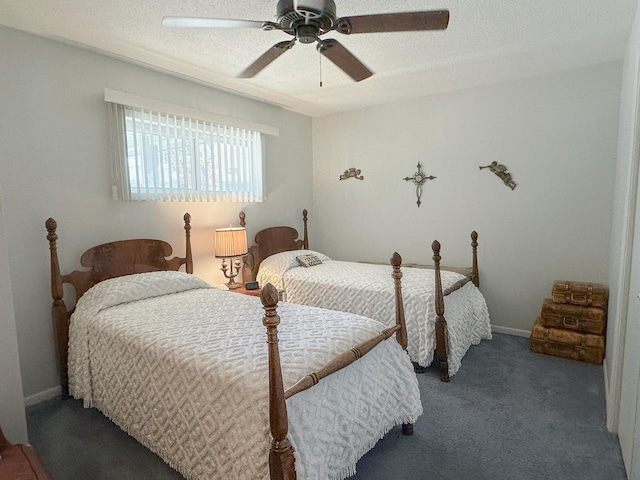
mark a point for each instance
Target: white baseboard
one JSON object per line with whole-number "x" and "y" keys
{"x": 606, "y": 388}
{"x": 511, "y": 331}
{"x": 42, "y": 396}
{"x": 610, "y": 408}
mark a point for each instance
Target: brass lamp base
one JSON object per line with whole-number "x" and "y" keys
{"x": 231, "y": 273}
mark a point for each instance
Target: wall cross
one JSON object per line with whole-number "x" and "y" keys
{"x": 419, "y": 179}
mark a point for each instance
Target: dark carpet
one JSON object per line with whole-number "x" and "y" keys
{"x": 508, "y": 414}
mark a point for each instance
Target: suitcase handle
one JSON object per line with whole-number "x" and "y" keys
{"x": 569, "y": 322}
{"x": 582, "y": 298}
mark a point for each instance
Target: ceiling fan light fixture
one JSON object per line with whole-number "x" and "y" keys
{"x": 307, "y": 33}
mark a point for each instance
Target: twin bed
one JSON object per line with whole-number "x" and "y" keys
{"x": 184, "y": 368}
{"x": 365, "y": 289}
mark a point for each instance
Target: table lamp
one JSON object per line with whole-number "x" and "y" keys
{"x": 231, "y": 243}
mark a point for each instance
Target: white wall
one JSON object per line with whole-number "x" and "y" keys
{"x": 12, "y": 417}
{"x": 55, "y": 162}
{"x": 557, "y": 135}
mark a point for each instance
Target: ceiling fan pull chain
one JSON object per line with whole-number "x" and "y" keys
{"x": 320, "y": 60}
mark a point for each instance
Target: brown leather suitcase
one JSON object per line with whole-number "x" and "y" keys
{"x": 573, "y": 317}
{"x": 583, "y": 347}
{"x": 580, "y": 293}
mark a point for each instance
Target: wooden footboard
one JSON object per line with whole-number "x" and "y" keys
{"x": 109, "y": 260}
{"x": 281, "y": 457}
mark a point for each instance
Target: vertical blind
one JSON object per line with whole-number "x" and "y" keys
{"x": 161, "y": 156}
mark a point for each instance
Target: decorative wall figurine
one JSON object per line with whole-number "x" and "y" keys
{"x": 419, "y": 179}
{"x": 501, "y": 171}
{"x": 352, "y": 173}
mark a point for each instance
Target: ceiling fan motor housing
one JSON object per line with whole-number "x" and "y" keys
{"x": 319, "y": 14}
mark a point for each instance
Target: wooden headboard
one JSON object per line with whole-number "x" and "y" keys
{"x": 274, "y": 240}
{"x": 109, "y": 260}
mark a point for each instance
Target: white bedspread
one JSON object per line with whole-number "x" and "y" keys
{"x": 368, "y": 290}
{"x": 183, "y": 368}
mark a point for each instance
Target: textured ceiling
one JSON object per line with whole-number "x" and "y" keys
{"x": 487, "y": 41}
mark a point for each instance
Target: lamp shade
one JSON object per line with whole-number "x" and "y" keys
{"x": 231, "y": 242}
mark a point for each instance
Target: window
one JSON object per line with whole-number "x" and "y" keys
{"x": 169, "y": 157}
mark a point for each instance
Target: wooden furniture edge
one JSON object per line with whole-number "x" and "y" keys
{"x": 83, "y": 280}
{"x": 305, "y": 238}
{"x": 474, "y": 249}
{"x": 281, "y": 456}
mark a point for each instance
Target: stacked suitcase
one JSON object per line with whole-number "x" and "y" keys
{"x": 573, "y": 323}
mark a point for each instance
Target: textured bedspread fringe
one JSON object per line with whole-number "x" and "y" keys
{"x": 164, "y": 455}
{"x": 346, "y": 472}
{"x": 350, "y": 470}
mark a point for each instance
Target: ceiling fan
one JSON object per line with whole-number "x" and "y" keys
{"x": 308, "y": 20}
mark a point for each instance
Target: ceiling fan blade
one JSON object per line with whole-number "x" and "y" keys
{"x": 266, "y": 58}
{"x": 394, "y": 22}
{"x": 344, "y": 59}
{"x": 195, "y": 22}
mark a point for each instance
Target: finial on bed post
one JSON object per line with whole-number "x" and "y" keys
{"x": 187, "y": 233}
{"x": 474, "y": 247}
{"x": 305, "y": 239}
{"x": 242, "y": 216}
{"x": 441, "y": 324}
{"x": 281, "y": 459}
{"x": 59, "y": 312}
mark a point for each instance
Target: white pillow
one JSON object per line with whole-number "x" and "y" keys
{"x": 308, "y": 260}
{"x": 273, "y": 268}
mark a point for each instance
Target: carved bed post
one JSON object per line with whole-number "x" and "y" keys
{"x": 401, "y": 334}
{"x": 246, "y": 268}
{"x": 441, "y": 324}
{"x": 305, "y": 239}
{"x": 187, "y": 232}
{"x": 59, "y": 312}
{"x": 281, "y": 459}
{"x": 474, "y": 247}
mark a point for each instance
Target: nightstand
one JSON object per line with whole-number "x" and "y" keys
{"x": 256, "y": 292}
{"x": 244, "y": 291}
